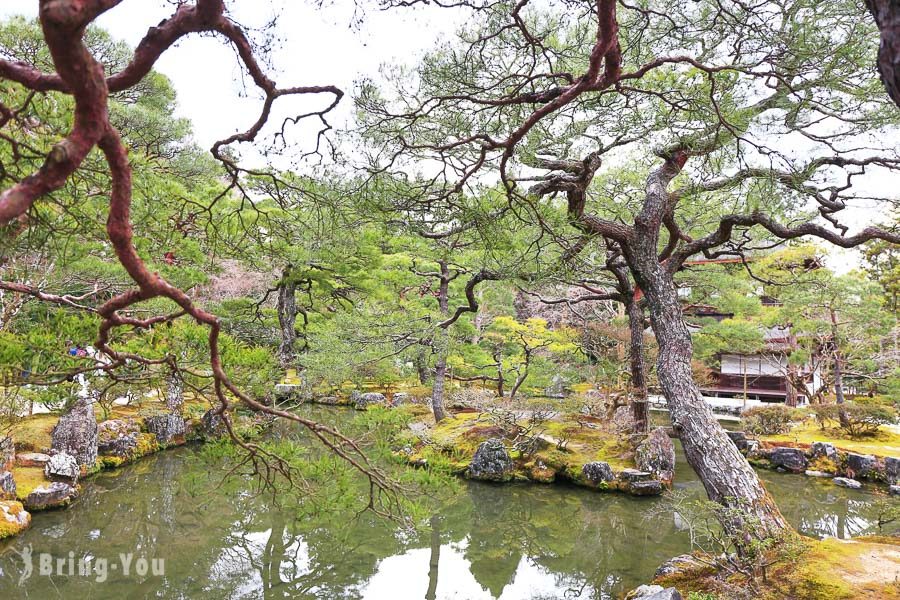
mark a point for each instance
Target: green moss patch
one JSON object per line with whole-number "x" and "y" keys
{"x": 830, "y": 569}
{"x": 27, "y": 479}
{"x": 32, "y": 434}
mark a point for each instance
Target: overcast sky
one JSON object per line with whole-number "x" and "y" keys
{"x": 316, "y": 46}
{"x": 333, "y": 44}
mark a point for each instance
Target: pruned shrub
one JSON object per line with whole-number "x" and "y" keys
{"x": 768, "y": 420}
{"x": 856, "y": 420}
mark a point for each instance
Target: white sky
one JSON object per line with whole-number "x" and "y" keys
{"x": 316, "y": 46}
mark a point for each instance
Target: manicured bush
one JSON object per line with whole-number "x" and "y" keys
{"x": 857, "y": 420}
{"x": 768, "y": 420}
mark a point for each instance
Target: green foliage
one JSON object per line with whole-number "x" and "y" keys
{"x": 855, "y": 419}
{"x": 769, "y": 420}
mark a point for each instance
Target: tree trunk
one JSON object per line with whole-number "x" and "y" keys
{"x": 838, "y": 360}
{"x": 287, "y": 318}
{"x": 443, "y": 344}
{"x": 174, "y": 393}
{"x": 437, "y": 389}
{"x": 724, "y": 472}
{"x": 499, "y": 358}
{"x": 838, "y": 371}
{"x": 640, "y": 407}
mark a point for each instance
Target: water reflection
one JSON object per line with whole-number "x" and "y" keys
{"x": 509, "y": 542}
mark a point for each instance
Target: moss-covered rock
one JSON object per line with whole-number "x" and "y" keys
{"x": 14, "y": 519}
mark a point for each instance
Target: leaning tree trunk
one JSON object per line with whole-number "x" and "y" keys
{"x": 887, "y": 17}
{"x": 724, "y": 472}
{"x": 640, "y": 408}
{"x": 287, "y": 319}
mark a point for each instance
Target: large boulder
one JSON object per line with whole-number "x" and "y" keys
{"x": 860, "y": 465}
{"x": 118, "y": 437}
{"x": 50, "y": 495}
{"x": 491, "y": 462}
{"x": 363, "y": 401}
{"x": 892, "y": 469}
{"x": 789, "y": 459}
{"x": 62, "y": 467}
{"x": 76, "y": 433}
{"x": 168, "y": 429}
{"x": 656, "y": 454}
{"x": 7, "y": 486}
{"x": 13, "y": 518}
{"x": 598, "y": 472}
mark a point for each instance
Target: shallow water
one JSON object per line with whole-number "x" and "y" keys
{"x": 492, "y": 541}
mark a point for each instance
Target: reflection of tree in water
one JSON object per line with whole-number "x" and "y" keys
{"x": 222, "y": 541}
{"x": 512, "y": 521}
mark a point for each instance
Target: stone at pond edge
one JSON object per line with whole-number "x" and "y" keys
{"x": 652, "y": 487}
{"x": 820, "y": 449}
{"x": 62, "y": 467}
{"x": 597, "y": 472}
{"x": 817, "y": 474}
{"x": 288, "y": 391}
{"x": 631, "y": 475}
{"x": 739, "y": 438}
{"x": 13, "y": 519}
{"x": 212, "y": 425}
{"x": 363, "y": 401}
{"x": 892, "y": 469}
{"x": 790, "y": 459}
{"x": 491, "y": 462}
{"x": 50, "y": 495}
{"x": 894, "y": 490}
{"x": 654, "y": 592}
{"x": 847, "y": 483}
{"x": 118, "y": 437}
{"x": 32, "y": 459}
{"x": 656, "y": 454}
{"x": 76, "y": 433}
{"x": 677, "y": 564}
{"x": 7, "y": 486}
{"x": 860, "y": 464}
{"x": 168, "y": 429}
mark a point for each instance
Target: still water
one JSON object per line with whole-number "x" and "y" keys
{"x": 490, "y": 541}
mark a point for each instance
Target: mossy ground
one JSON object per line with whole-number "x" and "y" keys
{"x": 567, "y": 444}
{"x": 27, "y": 479}
{"x": 884, "y": 443}
{"x": 830, "y": 569}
